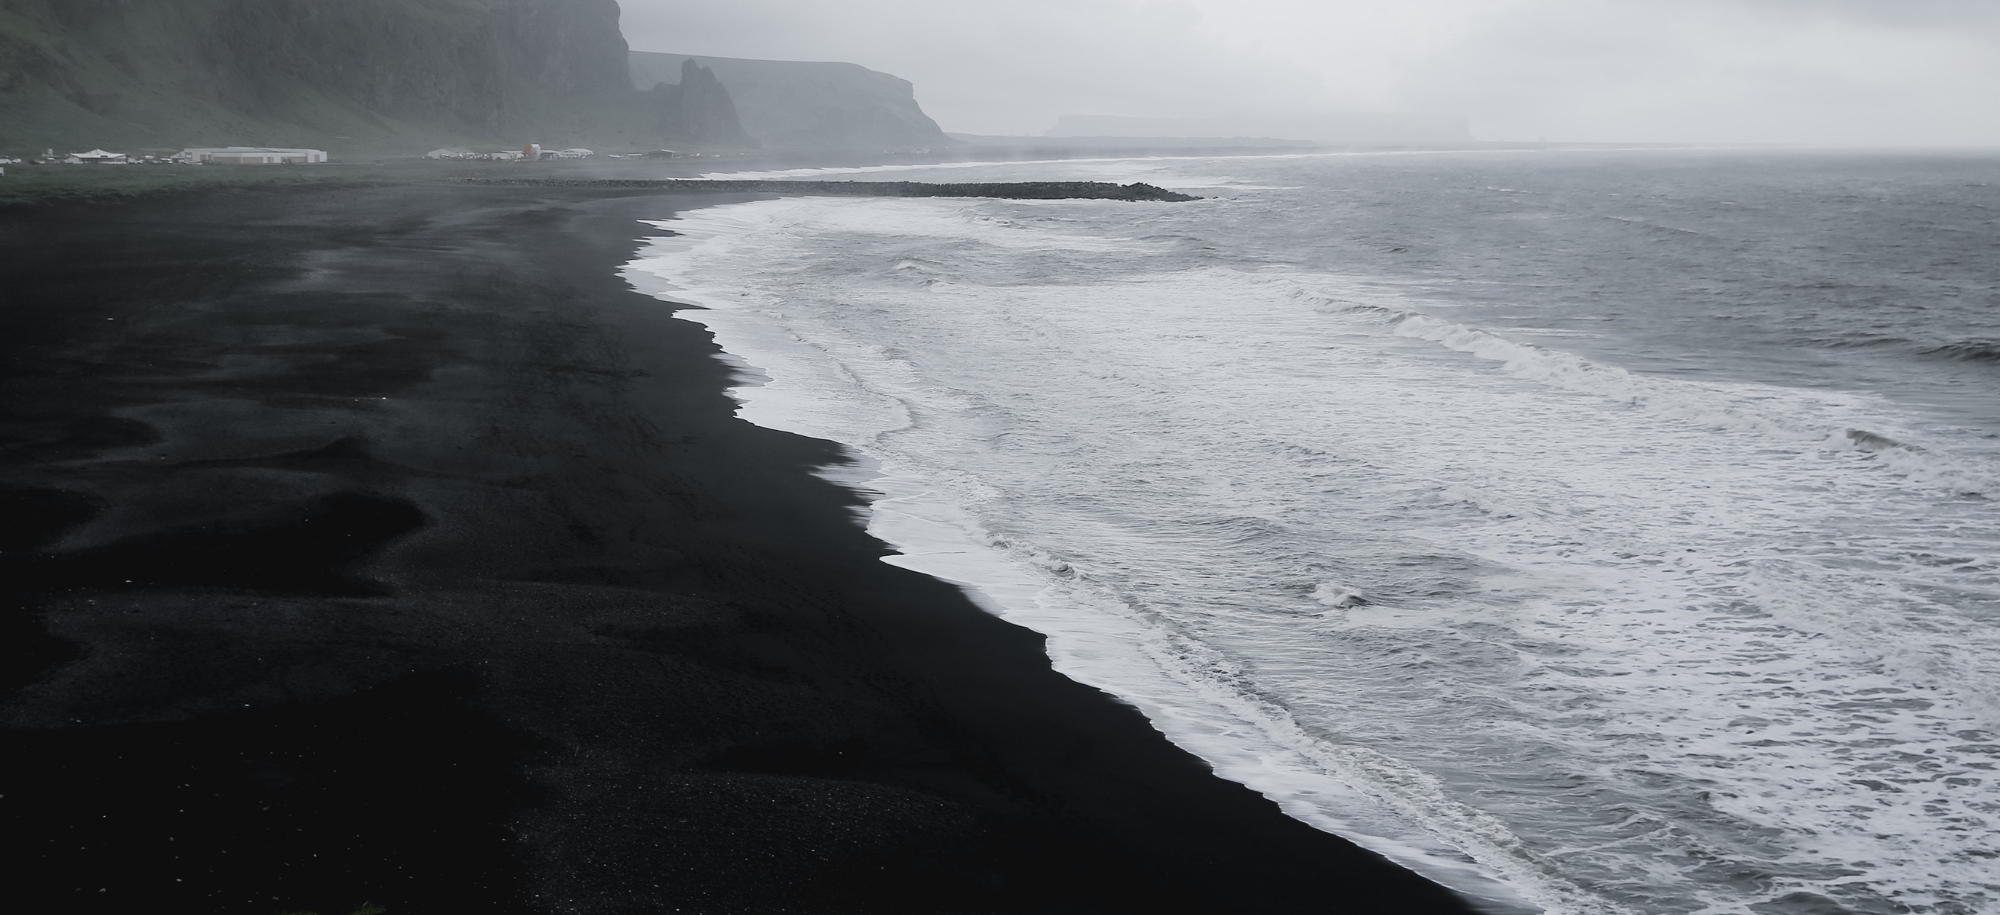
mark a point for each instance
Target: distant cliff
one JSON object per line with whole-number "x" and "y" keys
{"x": 343, "y": 74}
{"x": 803, "y": 105}
{"x": 699, "y": 108}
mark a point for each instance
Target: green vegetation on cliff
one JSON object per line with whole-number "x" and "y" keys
{"x": 345, "y": 75}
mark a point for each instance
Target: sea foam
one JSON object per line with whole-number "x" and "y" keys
{"x": 1560, "y": 634}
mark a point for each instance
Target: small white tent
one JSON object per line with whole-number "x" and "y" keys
{"x": 96, "y": 157}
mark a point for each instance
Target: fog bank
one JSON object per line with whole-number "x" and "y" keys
{"x": 1845, "y": 72}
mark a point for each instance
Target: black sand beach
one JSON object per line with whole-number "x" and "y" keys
{"x": 379, "y": 544}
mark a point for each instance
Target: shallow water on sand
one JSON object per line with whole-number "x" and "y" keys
{"x": 1594, "y": 531}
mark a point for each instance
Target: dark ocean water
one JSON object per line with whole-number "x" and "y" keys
{"x": 1598, "y": 531}
{"x": 1836, "y": 270}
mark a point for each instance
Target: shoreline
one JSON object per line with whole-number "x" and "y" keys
{"x": 427, "y": 562}
{"x": 75, "y": 185}
{"x": 933, "y": 532}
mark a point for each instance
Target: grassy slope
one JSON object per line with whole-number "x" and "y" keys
{"x": 127, "y": 86}
{"x": 136, "y": 80}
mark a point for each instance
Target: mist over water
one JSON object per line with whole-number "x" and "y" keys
{"x": 1594, "y": 531}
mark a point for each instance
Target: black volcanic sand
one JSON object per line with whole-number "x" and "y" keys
{"x": 380, "y": 544}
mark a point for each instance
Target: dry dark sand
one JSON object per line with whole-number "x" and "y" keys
{"x": 380, "y": 544}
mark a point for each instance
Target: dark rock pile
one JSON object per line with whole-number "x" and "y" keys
{"x": 1013, "y": 190}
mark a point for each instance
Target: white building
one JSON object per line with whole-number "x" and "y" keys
{"x": 96, "y": 157}
{"x": 251, "y": 155}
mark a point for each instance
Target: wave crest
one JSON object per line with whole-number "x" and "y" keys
{"x": 1987, "y": 351}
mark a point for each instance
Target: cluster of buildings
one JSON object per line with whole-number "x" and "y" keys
{"x": 532, "y": 152}
{"x": 208, "y": 155}
{"x": 266, "y": 155}
{"x": 252, "y": 155}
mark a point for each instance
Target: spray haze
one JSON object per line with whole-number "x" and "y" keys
{"x": 1834, "y": 72}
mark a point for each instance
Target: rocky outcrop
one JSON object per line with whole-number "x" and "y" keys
{"x": 369, "y": 74}
{"x": 1009, "y": 190}
{"x": 699, "y": 109}
{"x": 789, "y": 104}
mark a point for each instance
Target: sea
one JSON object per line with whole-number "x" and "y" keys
{"x": 1591, "y": 530}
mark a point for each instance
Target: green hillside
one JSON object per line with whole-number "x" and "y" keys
{"x": 350, "y": 76}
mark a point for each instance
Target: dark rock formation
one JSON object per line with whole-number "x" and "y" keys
{"x": 1008, "y": 190}
{"x": 788, "y": 104}
{"x": 338, "y": 74}
{"x": 699, "y": 110}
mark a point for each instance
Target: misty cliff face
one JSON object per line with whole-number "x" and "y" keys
{"x": 493, "y": 64}
{"x": 803, "y": 105}
{"x": 698, "y": 108}
{"x": 317, "y": 72}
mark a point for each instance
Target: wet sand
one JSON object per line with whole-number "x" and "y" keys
{"x": 380, "y": 544}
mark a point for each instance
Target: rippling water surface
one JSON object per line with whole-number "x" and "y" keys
{"x": 1594, "y": 531}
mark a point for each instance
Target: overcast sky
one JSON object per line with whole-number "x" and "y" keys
{"x": 1728, "y": 71}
